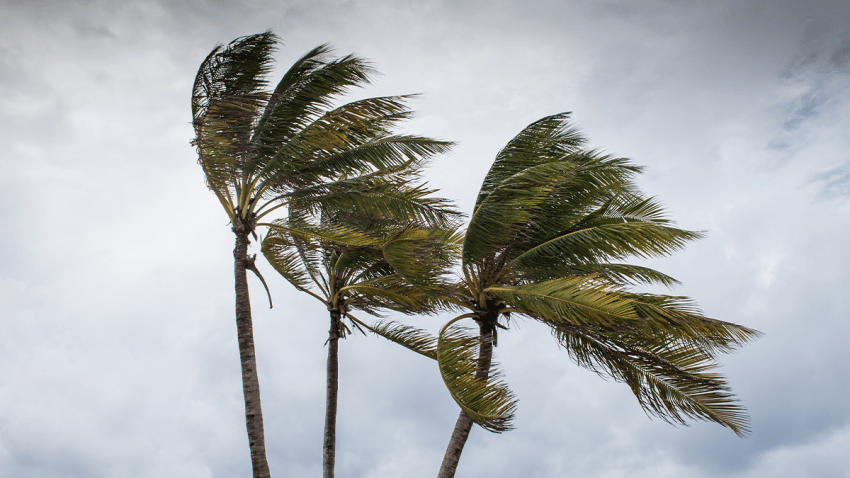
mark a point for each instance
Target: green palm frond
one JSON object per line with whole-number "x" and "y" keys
{"x": 305, "y": 92}
{"x": 616, "y": 274}
{"x": 388, "y": 293}
{"x": 227, "y": 98}
{"x": 313, "y": 235}
{"x": 670, "y": 380}
{"x": 240, "y": 68}
{"x": 545, "y": 140}
{"x": 351, "y": 138}
{"x": 503, "y": 217}
{"x": 378, "y": 198}
{"x": 597, "y": 180}
{"x": 679, "y": 318}
{"x": 221, "y": 137}
{"x": 633, "y": 228}
{"x": 344, "y": 261}
{"x": 409, "y": 337}
{"x": 574, "y": 300}
{"x": 422, "y": 255}
{"x": 482, "y": 395}
{"x": 286, "y": 261}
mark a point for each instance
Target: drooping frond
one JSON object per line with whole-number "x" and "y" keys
{"x": 409, "y": 337}
{"x": 546, "y": 140}
{"x": 670, "y": 380}
{"x": 286, "y": 260}
{"x": 484, "y": 397}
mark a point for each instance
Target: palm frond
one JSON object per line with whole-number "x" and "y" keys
{"x": 545, "y": 140}
{"x": 484, "y": 397}
{"x": 616, "y": 274}
{"x": 671, "y": 381}
{"x": 679, "y": 318}
{"x": 574, "y": 300}
{"x": 240, "y": 68}
{"x": 305, "y": 92}
{"x": 400, "y": 298}
{"x": 409, "y": 337}
{"x": 286, "y": 261}
{"x": 320, "y": 147}
{"x": 422, "y": 255}
{"x": 503, "y": 217}
{"x": 221, "y": 138}
{"x": 377, "y": 198}
{"x": 604, "y": 239}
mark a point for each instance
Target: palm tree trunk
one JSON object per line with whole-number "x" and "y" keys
{"x": 247, "y": 355}
{"x": 329, "y": 451}
{"x": 464, "y": 423}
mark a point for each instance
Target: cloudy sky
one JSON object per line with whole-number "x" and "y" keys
{"x": 118, "y": 353}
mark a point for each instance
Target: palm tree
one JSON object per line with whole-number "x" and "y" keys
{"x": 364, "y": 254}
{"x": 550, "y": 230}
{"x": 263, "y": 149}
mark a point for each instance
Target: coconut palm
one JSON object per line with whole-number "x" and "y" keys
{"x": 551, "y": 228}
{"x": 364, "y": 255}
{"x": 262, "y": 149}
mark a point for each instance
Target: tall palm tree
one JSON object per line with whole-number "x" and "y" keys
{"x": 262, "y": 149}
{"x": 365, "y": 254}
{"x": 551, "y": 227}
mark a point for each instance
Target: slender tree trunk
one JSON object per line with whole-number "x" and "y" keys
{"x": 250, "y": 381}
{"x": 329, "y": 450}
{"x": 464, "y": 423}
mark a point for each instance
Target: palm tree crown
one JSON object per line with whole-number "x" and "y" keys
{"x": 264, "y": 149}
{"x": 366, "y": 254}
{"x": 552, "y": 227}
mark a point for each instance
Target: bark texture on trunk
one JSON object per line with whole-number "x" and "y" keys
{"x": 247, "y": 355}
{"x": 329, "y": 450}
{"x": 464, "y": 423}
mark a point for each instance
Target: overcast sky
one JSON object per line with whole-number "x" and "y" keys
{"x": 118, "y": 353}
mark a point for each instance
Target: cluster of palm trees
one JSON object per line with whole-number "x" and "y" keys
{"x": 349, "y": 221}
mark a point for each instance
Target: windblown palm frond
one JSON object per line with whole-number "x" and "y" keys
{"x": 503, "y": 216}
{"x": 546, "y": 140}
{"x": 680, "y": 319}
{"x": 670, "y": 380}
{"x": 610, "y": 233}
{"x": 576, "y": 300}
{"x": 476, "y": 387}
{"x": 409, "y": 337}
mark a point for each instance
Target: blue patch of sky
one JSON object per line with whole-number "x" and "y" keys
{"x": 835, "y": 182}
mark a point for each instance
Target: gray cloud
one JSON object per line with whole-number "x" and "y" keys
{"x": 117, "y": 349}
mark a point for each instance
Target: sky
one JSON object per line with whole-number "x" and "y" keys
{"x": 118, "y": 352}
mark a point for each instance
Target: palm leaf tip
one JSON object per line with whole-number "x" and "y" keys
{"x": 670, "y": 380}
